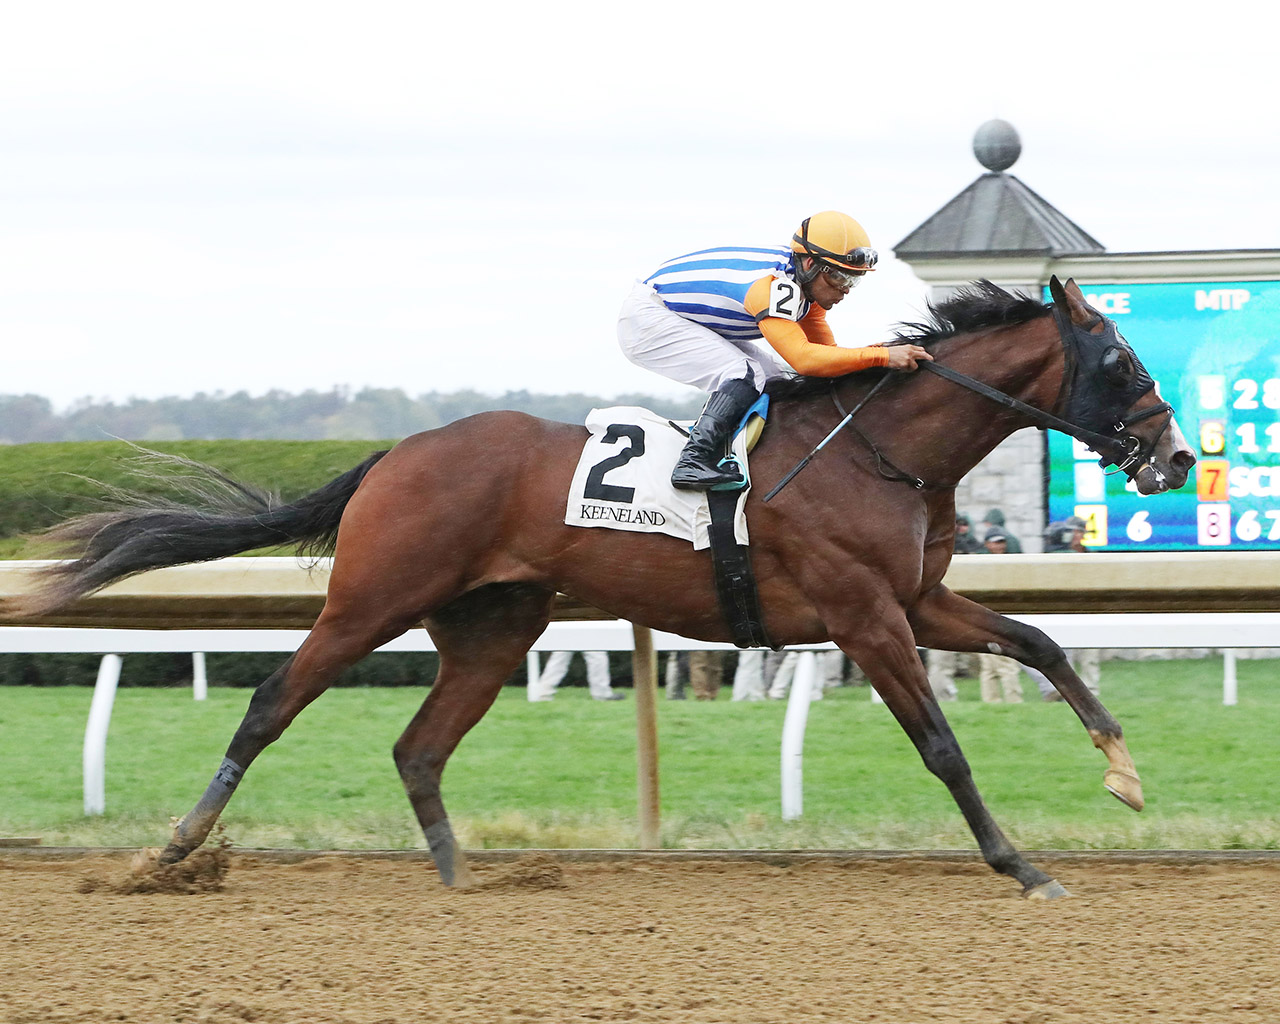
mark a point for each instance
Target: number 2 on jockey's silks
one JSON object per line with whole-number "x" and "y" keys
{"x": 786, "y": 300}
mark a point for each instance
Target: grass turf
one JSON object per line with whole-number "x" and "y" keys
{"x": 563, "y": 773}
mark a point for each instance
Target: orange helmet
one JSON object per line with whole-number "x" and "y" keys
{"x": 837, "y": 243}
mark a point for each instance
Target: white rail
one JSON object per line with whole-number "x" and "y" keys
{"x": 1225, "y": 631}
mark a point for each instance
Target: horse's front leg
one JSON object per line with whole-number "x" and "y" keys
{"x": 887, "y": 653}
{"x": 948, "y": 622}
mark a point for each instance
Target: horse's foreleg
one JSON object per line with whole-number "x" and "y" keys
{"x": 886, "y": 652}
{"x": 946, "y": 621}
{"x": 338, "y": 641}
{"x": 482, "y": 638}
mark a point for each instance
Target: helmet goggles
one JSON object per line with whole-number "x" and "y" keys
{"x": 844, "y": 269}
{"x": 845, "y": 280}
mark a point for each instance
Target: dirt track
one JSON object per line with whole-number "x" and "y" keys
{"x": 375, "y": 942}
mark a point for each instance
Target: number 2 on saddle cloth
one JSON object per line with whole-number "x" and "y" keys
{"x": 629, "y": 489}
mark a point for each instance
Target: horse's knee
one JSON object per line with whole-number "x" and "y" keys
{"x": 1033, "y": 647}
{"x": 943, "y": 757}
{"x": 419, "y": 769}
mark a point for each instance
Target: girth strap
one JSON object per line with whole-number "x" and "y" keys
{"x": 735, "y": 579}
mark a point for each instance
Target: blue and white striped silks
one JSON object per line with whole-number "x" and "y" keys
{"x": 710, "y": 286}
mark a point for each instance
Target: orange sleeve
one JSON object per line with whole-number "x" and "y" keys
{"x": 815, "y": 326}
{"x": 809, "y": 347}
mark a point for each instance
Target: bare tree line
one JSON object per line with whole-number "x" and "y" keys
{"x": 368, "y": 414}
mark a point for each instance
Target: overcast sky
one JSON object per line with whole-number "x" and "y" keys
{"x": 434, "y": 197}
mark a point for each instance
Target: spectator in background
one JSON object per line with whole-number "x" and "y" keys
{"x": 763, "y": 675}
{"x": 995, "y": 518}
{"x": 706, "y": 672}
{"x": 700, "y": 671}
{"x": 676, "y": 675}
{"x": 780, "y": 669}
{"x": 965, "y": 543}
{"x": 998, "y": 675}
{"x": 1065, "y": 536}
{"x": 748, "y": 677}
{"x": 598, "y": 683}
{"x": 768, "y": 675}
{"x": 830, "y": 673}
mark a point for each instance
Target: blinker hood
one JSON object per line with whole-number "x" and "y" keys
{"x": 1104, "y": 376}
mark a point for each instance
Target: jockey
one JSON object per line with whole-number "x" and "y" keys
{"x": 699, "y": 317}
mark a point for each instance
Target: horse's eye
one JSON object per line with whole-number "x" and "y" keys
{"x": 1117, "y": 367}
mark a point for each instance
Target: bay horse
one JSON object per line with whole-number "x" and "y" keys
{"x": 461, "y": 529}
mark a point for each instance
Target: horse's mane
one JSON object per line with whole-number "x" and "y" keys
{"x": 975, "y": 307}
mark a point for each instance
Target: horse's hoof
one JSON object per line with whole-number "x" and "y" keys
{"x": 1125, "y": 787}
{"x": 171, "y": 854}
{"x": 1050, "y": 890}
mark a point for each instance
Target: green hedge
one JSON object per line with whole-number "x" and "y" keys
{"x": 387, "y": 668}
{"x": 42, "y": 484}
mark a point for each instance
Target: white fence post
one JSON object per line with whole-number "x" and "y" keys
{"x": 199, "y": 678}
{"x": 533, "y": 671}
{"x": 1225, "y": 631}
{"x": 793, "y": 726}
{"x": 95, "y": 734}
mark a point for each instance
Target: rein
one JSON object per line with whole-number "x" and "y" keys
{"x": 1098, "y": 442}
{"x": 882, "y": 460}
{"x": 1125, "y": 452}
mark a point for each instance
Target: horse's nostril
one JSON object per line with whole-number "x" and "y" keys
{"x": 1183, "y": 459}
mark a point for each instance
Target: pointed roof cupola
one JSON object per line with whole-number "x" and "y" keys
{"x": 997, "y": 215}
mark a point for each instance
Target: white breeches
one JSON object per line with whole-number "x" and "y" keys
{"x": 654, "y": 337}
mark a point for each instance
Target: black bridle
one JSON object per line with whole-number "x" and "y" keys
{"x": 1103, "y": 402}
{"x": 1120, "y": 447}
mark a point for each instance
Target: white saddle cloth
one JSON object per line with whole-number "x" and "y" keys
{"x": 623, "y": 480}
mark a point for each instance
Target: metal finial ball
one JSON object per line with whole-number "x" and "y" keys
{"x": 996, "y": 145}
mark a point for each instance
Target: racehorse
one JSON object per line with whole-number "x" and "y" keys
{"x": 461, "y": 528}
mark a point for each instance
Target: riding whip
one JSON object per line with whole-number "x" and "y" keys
{"x": 822, "y": 444}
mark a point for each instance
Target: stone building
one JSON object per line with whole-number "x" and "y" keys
{"x": 1000, "y": 229}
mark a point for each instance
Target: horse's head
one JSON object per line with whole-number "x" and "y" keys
{"x": 1106, "y": 389}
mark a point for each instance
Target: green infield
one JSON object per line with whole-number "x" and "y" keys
{"x": 562, "y": 773}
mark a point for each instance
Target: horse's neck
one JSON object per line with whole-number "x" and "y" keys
{"x": 937, "y": 430}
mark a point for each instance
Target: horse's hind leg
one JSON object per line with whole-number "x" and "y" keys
{"x": 482, "y": 638}
{"x": 886, "y": 652}
{"x": 339, "y": 639}
{"x": 949, "y": 622}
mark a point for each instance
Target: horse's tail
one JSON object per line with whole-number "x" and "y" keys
{"x": 218, "y": 517}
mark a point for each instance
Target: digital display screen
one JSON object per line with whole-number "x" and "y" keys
{"x": 1214, "y": 349}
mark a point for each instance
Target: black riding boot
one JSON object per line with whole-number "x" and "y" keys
{"x": 698, "y": 468}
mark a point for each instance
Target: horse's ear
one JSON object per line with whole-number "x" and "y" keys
{"x": 1055, "y": 289}
{"x": 1071, "y": 298}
